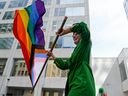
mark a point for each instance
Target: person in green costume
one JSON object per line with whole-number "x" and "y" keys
{"x": 80, "y": 80}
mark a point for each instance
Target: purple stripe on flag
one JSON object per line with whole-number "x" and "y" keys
{"x": 40, "y": 7}
{"x": 40, "y": 40}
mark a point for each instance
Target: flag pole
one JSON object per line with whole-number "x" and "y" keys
{"x": 53, "y": 45}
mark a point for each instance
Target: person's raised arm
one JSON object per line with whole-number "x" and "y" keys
{"x": 65, "y": 31}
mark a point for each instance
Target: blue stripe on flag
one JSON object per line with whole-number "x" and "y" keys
{"x": 34, "y": 13}
{"x": 41, "y": 55}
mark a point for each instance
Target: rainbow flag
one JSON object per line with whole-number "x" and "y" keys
{"x": 27, "y": 29}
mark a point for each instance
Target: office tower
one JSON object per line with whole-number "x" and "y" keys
{"x": 126, "y": 7}
{"x": 101, "y": 67}
{"x": 14, "y": 80}
{"x": 116, "y": 83}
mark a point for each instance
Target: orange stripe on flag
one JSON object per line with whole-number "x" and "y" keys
{"x": 21, "y": 34}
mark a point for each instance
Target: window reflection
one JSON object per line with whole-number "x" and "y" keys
{"x": 8, "y": 15}
{"x": 125, "y": 7}
{"x": 67, "y": 42}
{"x": 127, "y": 64}
{"x": 47, "y": 2}
{"x": 18, "y": 3}
{"x": 55, "y": 25}
{"x": 122, "y": 71}
{"x": 6, "y": 43}
{"x": 12, "y": 91}
{"x": 2, "y": 4}
{"x": 75, "y": 11}
{"x": 5, "y": 28}
{"x": 50, "y": 92}
{"x": 58, "y": 44}
{"x": 18, "y": 46}
{"x": 60, "y": 12}
{"x": 69, "y": 1}
{"x": 19, "y": 68}
{"x": 72, "y": 11}
{"x": 2, "y": 65}
{"x": 62, "y": 42}
{"x": 13, "y": 4}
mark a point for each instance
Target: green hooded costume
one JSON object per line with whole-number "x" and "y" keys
{"x": 80, "y": 81}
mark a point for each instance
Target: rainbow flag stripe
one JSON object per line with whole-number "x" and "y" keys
{"x": 27, "y": 30}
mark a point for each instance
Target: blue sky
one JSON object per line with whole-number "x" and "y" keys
{"x": 108, "y": 26}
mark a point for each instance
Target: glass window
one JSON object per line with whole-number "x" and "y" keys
{"x": 13, "y": 4}
{"x": 62, "y": 42}
{"x": 8, "y": 15}
{"x": 54, "y": 25}
{"x": 55, "y": 92}
{"x": 122, "y": 71}
{"x": 45, "y": 93}
{"x": 2, "y": 4}
{"x": 60, "y": 12}
{"x": 126, "y": 8}
{"x": 20, "y": 68}
{"x": 2, "y": 65}
{"x": 67, "y": 42}
{"x": 69, "y": 1}
{"x": 5, "y": 28}
{"x": 22, "y": 3}
{"x": 18, "y": 46}
{"x": 6, "y": 43}
{"x": 127, "y": 65}
{"x": 75, "y": 11}
{"x": 13, "y": 91}
{"x": 18, "y": 3}
{"x": 47, "y": 2}
{"x": 72, "y": 11}
{"x": 26, "y": 73}
{"x": 58, "y": 44}
{"x": 17, "y": 92}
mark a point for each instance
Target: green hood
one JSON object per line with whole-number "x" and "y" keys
{"x": 77, "y": 28}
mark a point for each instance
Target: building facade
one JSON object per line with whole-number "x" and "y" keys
{"x": 126, "y": 7}
{"x": 101, "y": 66}
{"x": 116, "y": 83}
{"x": 14, "y": 79}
